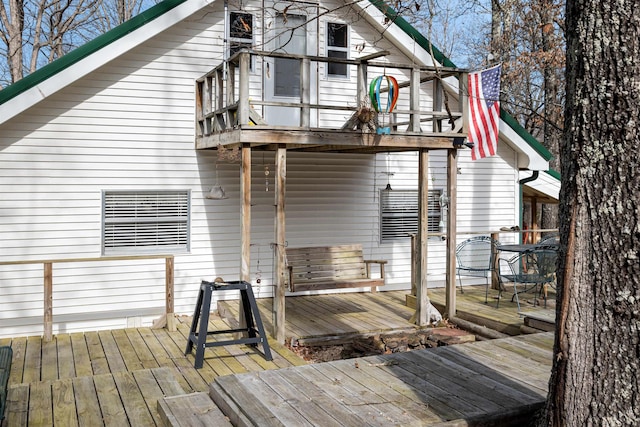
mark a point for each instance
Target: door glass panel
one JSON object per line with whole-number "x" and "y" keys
{"x": 291, "y": 38}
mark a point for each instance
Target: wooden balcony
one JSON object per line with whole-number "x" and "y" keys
{"x": 231, "y": 106}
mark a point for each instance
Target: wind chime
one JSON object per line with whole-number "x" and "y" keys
{"x": 392, "y": 89}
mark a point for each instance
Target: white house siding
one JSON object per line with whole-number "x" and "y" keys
{"x": 130, "y": 126}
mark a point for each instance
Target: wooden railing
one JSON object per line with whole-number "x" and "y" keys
{"x": 224, "y": 103}
{"x": 169, "y": 319}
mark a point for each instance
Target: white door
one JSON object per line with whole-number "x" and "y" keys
{"x": 289, "y": 33}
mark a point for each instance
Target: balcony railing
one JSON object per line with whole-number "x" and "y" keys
{"x": 231, "y": 96}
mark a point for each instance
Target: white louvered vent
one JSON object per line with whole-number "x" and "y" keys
{"x": 145, "y": 222}
{"x": 399, "y": 213}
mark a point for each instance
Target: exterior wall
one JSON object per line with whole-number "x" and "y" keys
{"x": 130, "y": 126}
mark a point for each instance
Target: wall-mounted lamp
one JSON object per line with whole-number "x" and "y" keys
{"x": 458, "y": 142}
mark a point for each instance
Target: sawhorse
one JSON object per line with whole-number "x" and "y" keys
{"x": 254, "y": 329}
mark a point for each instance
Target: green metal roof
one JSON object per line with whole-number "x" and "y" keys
{"x": 85, "y": 50}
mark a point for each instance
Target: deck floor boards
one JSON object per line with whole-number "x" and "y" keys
{"x": 115, "y": 377}
{"x": 417, "y": 388}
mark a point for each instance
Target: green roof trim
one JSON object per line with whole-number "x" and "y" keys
{"x": 412, "y": 32}
{"x": 530, "y": 139}
{"x": 554, "y": 173}
{"x": 85, "y": 50}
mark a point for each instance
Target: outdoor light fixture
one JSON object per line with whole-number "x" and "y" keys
{"x": 216, "y": 192}
{"x": 458, "y": 142}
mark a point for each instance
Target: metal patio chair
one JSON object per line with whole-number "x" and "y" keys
{"x": 475, "y": 257}
{"x": 536, "y": 268}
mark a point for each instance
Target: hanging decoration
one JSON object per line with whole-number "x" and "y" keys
{"x": 392, "y": 89}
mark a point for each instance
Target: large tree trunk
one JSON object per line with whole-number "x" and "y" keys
{"x": 597, "y": 352}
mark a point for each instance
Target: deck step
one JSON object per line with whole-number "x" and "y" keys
{"x": 189, "y": 410}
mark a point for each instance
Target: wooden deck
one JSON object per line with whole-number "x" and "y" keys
{"x": 499, "y": 382}
{"x": 338, "y": 318}
{"x": 116, "y": 377}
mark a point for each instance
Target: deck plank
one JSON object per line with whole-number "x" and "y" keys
{"x": 372, "y": 379}
{"x": 49, "y": 370}
{"x": 17, "y": 409}
{"x": 81, "y": 358}
{"x": 112, "y": 352}
{"x": 134, "y": 403}
{"x": 127, "y": 351}
{"x": 40, "y": 404}
{"x": 99, "y": 362}
{"x": 66, "y": 364}
{"x": 19, "y": 347}
{"x": 139, "y": 345}
{"x": 87, "y": 404}
{"x": 64, "y": 403}
{"x": 293, "y": 393}
{"x": 232, "y": 389}
{"x": 111, "y": 406}
{"x": 150, "y": 391}
{"x": 396, "y": 409}
{"x": 32, "y": 360}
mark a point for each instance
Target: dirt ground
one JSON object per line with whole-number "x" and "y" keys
{"x": 384, "y": 344}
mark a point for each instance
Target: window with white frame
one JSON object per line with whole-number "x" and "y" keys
{"x": 136, "y": 222}
{"x": 399, "y": 213}
{"x": 337, "y": 47}
{"x": 240, "y": 32}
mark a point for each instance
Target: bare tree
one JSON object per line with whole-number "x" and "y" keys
{"x": 595, "y": 379}
{"x": 12, "y": 25}
{"x": 36, "y": 33}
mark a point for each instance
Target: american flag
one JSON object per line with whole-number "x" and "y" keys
{"x": 484, "y": 109}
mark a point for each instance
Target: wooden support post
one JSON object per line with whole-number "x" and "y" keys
{"x": 243, "y": 90}
{"x": 279, "y": 318}
{"x": 422, "y": 299}
{"x": 48, "y": 301}
{"x": 495, "y": 278}
{"x": 169, "y": 281}
{"x": 452, "y": 192}
{"x": 534, "y": 221}
{"x": 464, "y": 101}
{"x": 245, "y": 226}
{"x": 414, "y": 258}
{"x": 231, "y": 92}
{"x": 305, "y": 93}
{"x": 362, "y": 84}
{"x": 437, "y": 105}
{"x": 414, "y": 101}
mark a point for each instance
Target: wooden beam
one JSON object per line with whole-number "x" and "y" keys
{"x": 299, "y": 139}
{"x": 169, "y": 304}
{"x": 452, "y": 192}
{"x": 48, "y": 301}
{"x": 243, "y": 90}
{"x": 414, "y": 101}
{"x": 464, "y": 101}
{"x": 281, "y": 272}
{"x": 422, "y": 299}
{"x": 245, "y": 225}
{"x": 305, "y": 93}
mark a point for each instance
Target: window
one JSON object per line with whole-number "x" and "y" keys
{"x": 337, "y": 47}
{"x": 240, "y": 32}
{"x": 399, "y": 213}
{"x": 145, "y": 221}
